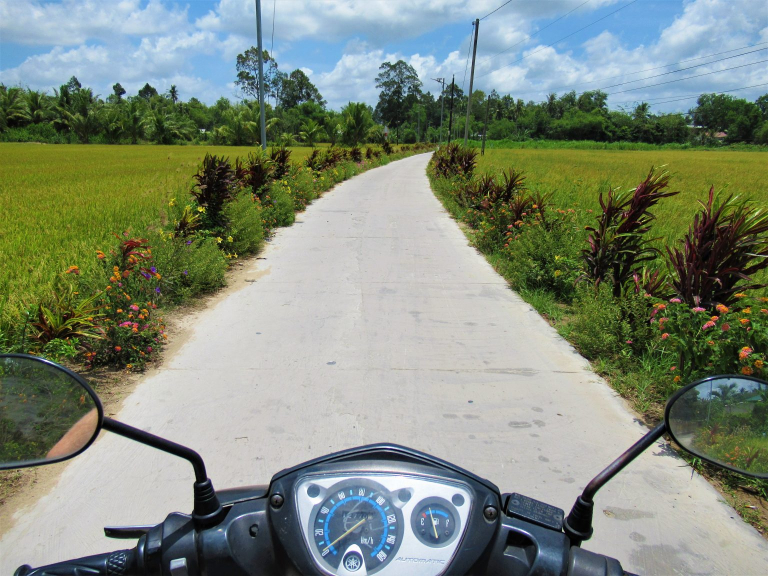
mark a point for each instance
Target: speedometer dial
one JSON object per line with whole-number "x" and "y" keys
{"x": 357, "y": 524}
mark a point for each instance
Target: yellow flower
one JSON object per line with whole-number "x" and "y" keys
{"x": 230, "y": 239}
{"x": 201, "y": 209}
{"x": 557, "y": 273}
{"x": 740, "y": 295}
{"x": 758, "y": 363}
{"x": 172, "y": 202}
{"x": 747, "y": 310}
{"x": 218, "y": 240}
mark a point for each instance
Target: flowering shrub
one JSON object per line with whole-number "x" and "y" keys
{"x": 726, "y": 340}
{"x": 132, "y": 335}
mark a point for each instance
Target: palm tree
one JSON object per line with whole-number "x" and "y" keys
{"x": 112, "y": 123}
{"x": 310, "y": 132}
{"x": 357, "y": 120}
{"x": 173, "y": 93}
{"x": 724, "y": 393}
{"x": 13, "y": 107}
{"x": 133, "y": 122}
{"x": 39, "y": 106}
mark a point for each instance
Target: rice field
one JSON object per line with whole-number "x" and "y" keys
{"x": 575, "y": 177}
{"x": 59, "y": 203}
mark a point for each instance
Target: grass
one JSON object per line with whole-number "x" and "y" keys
{"x": 575, "y": 177}
{"x": 59, "y": 203}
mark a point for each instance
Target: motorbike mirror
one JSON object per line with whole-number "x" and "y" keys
{"x": 723, "y": 420}
{"x": 47, "y": 413}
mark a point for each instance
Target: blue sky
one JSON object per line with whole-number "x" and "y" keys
{"x": 527, "y": 48}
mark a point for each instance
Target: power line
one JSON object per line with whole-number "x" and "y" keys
{"x": 535, "y": 33}
{"x": 663, "y": 101}
{"x": 561, "y": 39}
{"x": 469, "y": 49}
{"x": 497, "y": 9}
{"x": 681, "y": 69}
{"x": 272, "y": 44}
{"x": 654, "y": 68}
{"x": 687, "y": 78}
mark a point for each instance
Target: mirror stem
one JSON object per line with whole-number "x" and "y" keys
{"x": 207, "y": 508}
{"x": 578, "y": 524}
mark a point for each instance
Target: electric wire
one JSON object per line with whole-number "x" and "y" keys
{"x": 272, "y": 44}
{"x": 539, "y": 31}
{"x": 572, "y": 86}
{"x": 666, "y": 99}
{"x": 497, "y": 9}
{"x": 681, "y": 69}
{"x": 627, "y": 5}
{"x": 687, "y": 78}
{"x": 469, "y": 49}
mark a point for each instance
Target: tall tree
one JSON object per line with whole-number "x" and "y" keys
{"x": 119, "y": 91}
{"x": 400, "y": 90}
{"x": 147, "y": 92}
{"x": 173, "y": 94}
{"x": 248, "y": 73}
{"x": 296, "y": 89}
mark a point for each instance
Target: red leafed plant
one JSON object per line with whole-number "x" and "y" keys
{"x": 618, "y": 245}
{"x": 722, "y": 250}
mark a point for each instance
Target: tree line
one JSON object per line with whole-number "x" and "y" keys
{"x": 405, "y": 112}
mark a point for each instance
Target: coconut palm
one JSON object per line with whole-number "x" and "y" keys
{"x": 39, "y": 106}
{"x": 13, "y": 107}
{"x": 357, "y": 121}
{"x": 173, "y": 94}
{"x": 311, "y": 131}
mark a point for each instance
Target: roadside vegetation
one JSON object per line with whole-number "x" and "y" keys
{"x": 651, "y": 313}
{"x": 88, "y": 283}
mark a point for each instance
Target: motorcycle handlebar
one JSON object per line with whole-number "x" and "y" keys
{"x": 119, "y": 563}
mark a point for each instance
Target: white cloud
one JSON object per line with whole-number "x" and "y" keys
{"x": 74, "y": 22}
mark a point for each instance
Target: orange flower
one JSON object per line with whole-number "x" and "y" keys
{"x": 117, "y": 349}
{"x": 100, "y": 255}
{"x": 721, "y": 308}
{"x": 715, "y": 318}
{"x": 72, "y": 270}
{"x": 744, "y": 321}
{"x": 740, "y": 295}
{"x": 747, "y": 310}
{"x": 744, "y": 352}
{"x": 746, "y": 370}
{"x": 119, "y": 310}
{"x": 758, "y": 363}
{"x": 676, "y": 379}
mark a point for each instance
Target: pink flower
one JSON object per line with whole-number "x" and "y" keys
{"x": 124, "y": 324}
{"x": 699, "y": 309}
{"x": 134, "y": 308}
{"x": 708, "y": 325}
{"x": 675, "y": 300}
{"x": 665, "y": 336}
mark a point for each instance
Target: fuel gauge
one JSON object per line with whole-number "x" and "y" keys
{"x": 434, "y": 522}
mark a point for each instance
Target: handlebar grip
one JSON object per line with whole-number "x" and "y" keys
{"x": 118, "y": 563}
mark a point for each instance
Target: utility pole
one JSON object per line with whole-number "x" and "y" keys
{"x": 471, "y": 80}
{"x": 261, "y": 78}
{"x": 485, "y": 126}
{"x": 450, "y": 116}
{"x": 442, "y": 104}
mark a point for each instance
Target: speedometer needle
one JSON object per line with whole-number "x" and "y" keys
{"x": 434, "y": 528}
{"x": 345, "y": 533}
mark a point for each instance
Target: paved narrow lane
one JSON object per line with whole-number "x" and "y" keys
{"x": 371, "y": 320}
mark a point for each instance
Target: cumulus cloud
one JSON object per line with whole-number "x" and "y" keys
{"x": 74, "y": 22}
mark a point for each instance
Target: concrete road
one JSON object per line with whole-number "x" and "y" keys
{"x": 371, "y": 320}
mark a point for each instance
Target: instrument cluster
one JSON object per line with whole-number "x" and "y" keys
{"x": 382, "y": 523}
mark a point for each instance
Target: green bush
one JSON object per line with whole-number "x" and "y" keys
{"x": 547, "y": 255}
{"x": 599, "y": 330}
{"x": 245, "y": 230}
{"x": 278, "y": 206}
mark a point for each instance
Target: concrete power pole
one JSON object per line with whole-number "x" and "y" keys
{"x": 442, "y": 105}
{"x": 262, "y": 114}
{"x": 471, "y": 80}
{"x": 450, "y": 116}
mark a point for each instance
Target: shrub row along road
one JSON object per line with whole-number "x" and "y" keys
{"x": 372, "y": 320}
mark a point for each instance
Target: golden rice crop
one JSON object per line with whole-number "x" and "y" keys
{"x": 575, "y": 177}
{"x": 59, "y": 203}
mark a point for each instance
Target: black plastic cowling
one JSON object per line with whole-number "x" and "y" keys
{"x": 118, "y": 563}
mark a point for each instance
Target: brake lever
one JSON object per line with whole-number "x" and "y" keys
{"x": 126, "y": 532}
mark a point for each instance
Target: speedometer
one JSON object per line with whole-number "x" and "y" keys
{"x": 357, "y": 524}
